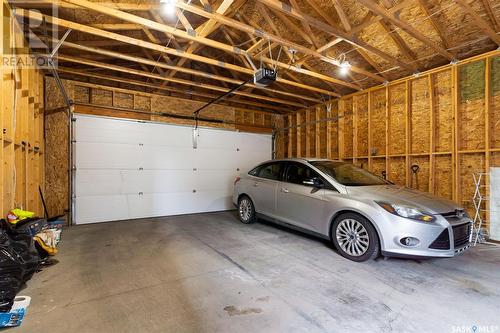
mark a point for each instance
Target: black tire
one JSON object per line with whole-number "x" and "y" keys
{"x": 351, "y": 244}
{"x": 246, "y": 210}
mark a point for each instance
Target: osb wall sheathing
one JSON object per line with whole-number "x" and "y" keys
{"x": 443, "y": 115}
{"x": 360, "y": 114}
{"x": 471, "y": 106}
{"x": 495, "y": 102}
{"x": 56, "y": 163}
{"x": 421, "y": 128}
{"x": 378, "y": 122}
{"x": 419, "y": 117}
{"x": 22, "y": 148}
{"x": 397, "y": 118}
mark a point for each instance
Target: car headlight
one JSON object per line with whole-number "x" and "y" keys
{"x": 407, "y": 211}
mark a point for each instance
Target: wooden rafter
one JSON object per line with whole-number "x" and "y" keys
{"x": 333, "y": 31}
{"x": 306, "y": 25}
{"x": 247, "y": 28}
{"x": 203, "y": 40}
{"x": 371, "y": 18}
{"x": 493, "y": 18}
{"x": 37, "y": 16}
{"x": 435, "y": 23}
{"x": 161, "y": 65}
{"x": 399, "y": 42}
{"x": 385, "y": 14}
{"x": 204, "y": 30}
{"x": 174, "y": 80}
{"x": 169, "y": 89}
{"x": 479, "y": 21}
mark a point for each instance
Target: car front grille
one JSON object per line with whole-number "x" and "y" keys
{"x": 442, "y": 242}
{"x": 461, "y": 234}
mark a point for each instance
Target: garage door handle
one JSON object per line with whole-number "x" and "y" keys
{"x": 284, "y": 190}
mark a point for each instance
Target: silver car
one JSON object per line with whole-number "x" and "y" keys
{"x": 363, "y": 214}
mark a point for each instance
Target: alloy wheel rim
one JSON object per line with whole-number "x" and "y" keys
{"x": 245, "y": 209}
{"x": 352, "y": 237}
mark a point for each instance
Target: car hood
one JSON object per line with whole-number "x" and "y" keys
{"x": 395, "y": 194}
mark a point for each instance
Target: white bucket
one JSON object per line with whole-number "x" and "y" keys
{"x": 21, "y": 302}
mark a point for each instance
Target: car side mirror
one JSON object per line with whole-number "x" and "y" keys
{"x": 314, "y": 182}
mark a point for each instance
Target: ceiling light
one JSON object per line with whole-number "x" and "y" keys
{"x": 168, "y": 7}
{"x": 345, "y": 66}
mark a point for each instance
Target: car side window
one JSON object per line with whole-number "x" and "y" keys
{"x": 271, "y": 171}
{"x": 296, "y": 173}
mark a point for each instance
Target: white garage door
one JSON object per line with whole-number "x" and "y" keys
{"x": 130, "y": 169}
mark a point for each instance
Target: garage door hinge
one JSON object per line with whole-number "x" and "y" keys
{"x": 140, "y": 193}
{"x": 141, "y": 144}
{"x": 140, "y": 169}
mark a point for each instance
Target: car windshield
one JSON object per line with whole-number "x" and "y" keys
{"x": 348, "y": 174}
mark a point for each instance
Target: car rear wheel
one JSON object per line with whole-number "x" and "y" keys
{"x": 355, "y": 237}
{"x": 246, "y": 210}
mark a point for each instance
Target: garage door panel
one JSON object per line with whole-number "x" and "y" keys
{"x": 175, "y": 136}
{"x": 163, "y": 204}
{"x": 168, "y": 157}
{"x": 98, "y": 182}
{"x": 108, "y": 130}
{"x": 99, "y": 208}
{"x": 129, "y": 169}
{"x": 95, "y": 155}
{"x": 158, "y": 181}
{"x": 225, "y": 159}
{"x": 217, "y": 139}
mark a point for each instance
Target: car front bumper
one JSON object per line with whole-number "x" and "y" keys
{"x": 445, "y": 237}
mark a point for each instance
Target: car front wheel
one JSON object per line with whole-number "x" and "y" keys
{"x": 355, "y": 237}
{"x": 246, "y": 210}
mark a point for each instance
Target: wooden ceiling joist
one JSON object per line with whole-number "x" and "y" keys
{"x": 37, "y": 16}
{"x": 128, "y": 70}
{"x": 169, "y": 89}
{"x": 162, "y": 65}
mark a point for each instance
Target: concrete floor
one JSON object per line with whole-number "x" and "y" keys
{"x": 210, "y": 273}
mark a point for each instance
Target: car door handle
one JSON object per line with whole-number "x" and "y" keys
{"x": 284, "y": 190}
{"x": 255, "y": 184}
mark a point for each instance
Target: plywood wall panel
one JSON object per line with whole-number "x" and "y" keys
{"x": 471, "y": 106}
{"x": 420, "y": 116}
{"x": 397, "y": 119}
{"x": 322, "y": 133}
{"x": 347, "y": 127}
{"x": 443, "y": 117}
{"x": 495, "y": 103}
{"x": 378, "y": 121}
{"x": 443, "y": 178}
{"x": 360, "y": 110}
{"x": 123, "y": 100}
{"x": 397, "y": 170}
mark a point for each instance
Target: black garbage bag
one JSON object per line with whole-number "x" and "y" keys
{"x": 19, "y": 260}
